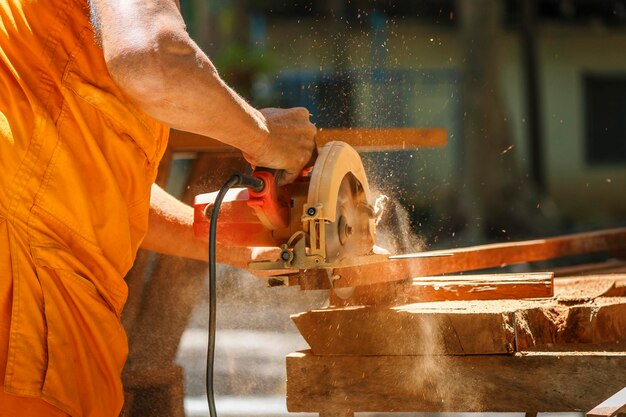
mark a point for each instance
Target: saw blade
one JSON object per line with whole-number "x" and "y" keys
{"x": 349, "y": 235}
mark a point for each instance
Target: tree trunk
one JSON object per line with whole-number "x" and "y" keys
{"x": 499, "y": 201}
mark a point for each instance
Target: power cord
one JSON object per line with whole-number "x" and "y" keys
{"x": 255, "y": 184}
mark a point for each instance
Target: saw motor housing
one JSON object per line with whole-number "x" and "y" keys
{"x": 323, "y": 219}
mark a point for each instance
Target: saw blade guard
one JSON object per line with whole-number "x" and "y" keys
{"x": 338, "y": 175}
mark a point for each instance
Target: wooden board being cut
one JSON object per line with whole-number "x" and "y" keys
{"x": 467, "y": 259}
{"x": 560, "y": 381}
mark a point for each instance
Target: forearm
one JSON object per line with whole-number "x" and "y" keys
{"x": 170, "y": 232}
{"x": 188, "y": 94}
{"x": 151, "y": 56}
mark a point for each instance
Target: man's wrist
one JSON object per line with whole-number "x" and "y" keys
{"x": 258, "y": 143}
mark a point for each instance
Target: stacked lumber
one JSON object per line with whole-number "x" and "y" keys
{"x": 542, "y": 341}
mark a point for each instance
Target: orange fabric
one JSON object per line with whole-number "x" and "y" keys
{"x": 77, "y": 160}
{"x": 12, "y": 405}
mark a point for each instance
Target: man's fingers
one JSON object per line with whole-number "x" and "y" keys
{"x": 301, "y": 111}
{"x": 312, "y": 130}
{"x": 291, "y": 144}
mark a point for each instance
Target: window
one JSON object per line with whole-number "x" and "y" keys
{"x": 605, "y": 99}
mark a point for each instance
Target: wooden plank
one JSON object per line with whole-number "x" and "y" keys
{"x": 462, "y": 327}
{"x": 548, "y": 382}
{"x": 406, "y": 331}
{"x": 600, "y": 321}
{"x": 181, "y": 141}
{"x": 384, "y": 139}
{"x": 362, "y": 139}
{"x": 610, "y": 266}
{"x": 461, "y": 287}
{"x": 471, "y": 258}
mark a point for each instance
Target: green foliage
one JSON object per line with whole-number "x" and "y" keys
{"x": 237, "y": 57}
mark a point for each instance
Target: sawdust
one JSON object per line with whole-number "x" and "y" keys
{"x": 393, "y": 228}
{"x": 434, "y": 375}
{"x": 584, "y": 289}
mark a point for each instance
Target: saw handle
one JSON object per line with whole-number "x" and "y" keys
{"x": 269, "y": 175}
{"x": 251, "y": 182}
{"x": 272, "y": 211}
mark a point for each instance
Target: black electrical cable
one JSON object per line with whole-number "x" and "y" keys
{"x": 257, "y": 185}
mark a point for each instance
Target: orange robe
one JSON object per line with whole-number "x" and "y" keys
{"x": 77, "y": 160}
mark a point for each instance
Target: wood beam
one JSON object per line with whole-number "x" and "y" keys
{"x": 467, "y": 259}
{"x": 362, "y": 139}
{"x": 385, "y": 139}
{"x": 547, "y": 382}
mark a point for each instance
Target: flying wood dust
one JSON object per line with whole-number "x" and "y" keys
{"x": 393, "y": 227}
{"x": 433, "y": 377}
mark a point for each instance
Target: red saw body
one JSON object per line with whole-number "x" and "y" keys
{"x": 324, "y": 218}
{"x": 248, "y": 218}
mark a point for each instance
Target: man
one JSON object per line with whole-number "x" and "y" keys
{"x": 89, "y": 91}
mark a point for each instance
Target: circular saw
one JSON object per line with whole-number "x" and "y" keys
{"x": 325, "y": 219}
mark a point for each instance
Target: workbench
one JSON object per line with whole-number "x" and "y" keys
{"x": 546, "y": 341}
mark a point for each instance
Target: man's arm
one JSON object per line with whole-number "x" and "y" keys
{"x": 153, "y": 59}
{"x": 170, "y": 232}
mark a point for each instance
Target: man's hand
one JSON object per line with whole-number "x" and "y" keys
{"x": 289, "y": 144}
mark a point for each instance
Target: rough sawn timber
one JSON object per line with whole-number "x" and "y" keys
{"x": 590, "y": 287}
{"x": 462, "y": 327}
{"x": 543, "y": 381}
{"x": 468, "y": 259}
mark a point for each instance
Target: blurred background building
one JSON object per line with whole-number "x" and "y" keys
{"x": 532, "y": 94}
